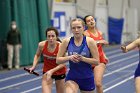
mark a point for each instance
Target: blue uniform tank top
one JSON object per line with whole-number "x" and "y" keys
{"x": 80, "y": 70}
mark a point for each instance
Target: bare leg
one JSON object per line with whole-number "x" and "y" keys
{"x": 137, "y": 84}
{"x": 98, "y": 76}
{"x": 60, "y": 86}
{"x": 46, "y": 85}
{"x": 71, "y": 87}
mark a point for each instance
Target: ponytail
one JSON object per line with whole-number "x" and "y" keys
{"x": 58, "y": 39}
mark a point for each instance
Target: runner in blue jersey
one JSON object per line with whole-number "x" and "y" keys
{"x": 134, "y": 44}
{"x": 82, "y": 53}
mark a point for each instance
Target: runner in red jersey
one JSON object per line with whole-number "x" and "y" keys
{"x": 51, "y": 71}
{"x": 97, "y": 36}
{"x": 50, "y": 60}
{"x": 98, "y": 39}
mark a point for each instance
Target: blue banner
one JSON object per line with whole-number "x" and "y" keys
{"x": 115, "y": 27}
{"x": 59, "y": 22}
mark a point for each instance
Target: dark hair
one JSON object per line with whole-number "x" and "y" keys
{"x": 58, "y": 39}
{"x": 55, "y": 30}
{"x": 13, "y": 23}
{"x": 86, "y": 17}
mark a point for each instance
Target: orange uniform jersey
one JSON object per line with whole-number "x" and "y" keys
{"x": 100, "y": 49}
{"x": 50, "y": 60}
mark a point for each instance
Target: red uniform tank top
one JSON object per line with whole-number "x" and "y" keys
{"x": 50, "y": 60}
{"x": 100, "y": 49}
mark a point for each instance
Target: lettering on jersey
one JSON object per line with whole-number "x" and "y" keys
{"x": 49, "y": 57}
{"x": 82, "y": 53}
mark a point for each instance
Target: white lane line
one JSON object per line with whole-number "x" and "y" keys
{"x": 134, "y": 63}
{"x": 104, "y": 90}
{"x": 17, "y": 84}
{"x": 20, "y": 75}
{"x": 16, "y": 76}
{"x": 122, "y": 59}
{"x": 104, "y": 75}
{"x": 112, "y": 51}
{"x": 35, "y": 88}
{"x": 11, "y": 78}
{"x": 119, "y": 54}
{"x": 118, "y": 79}
{"x": 117, "y": 84}
{"x": 32, "y": 89}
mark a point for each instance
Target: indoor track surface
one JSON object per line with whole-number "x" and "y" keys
{"x": 118, "y": 77}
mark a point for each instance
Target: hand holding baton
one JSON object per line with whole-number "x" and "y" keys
{"x": 123, "y": 48}
{"x": 33, "y": 72}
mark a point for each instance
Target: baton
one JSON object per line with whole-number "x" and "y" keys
{"x": 33, "y": 72}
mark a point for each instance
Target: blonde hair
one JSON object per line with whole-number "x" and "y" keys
{"x": 77, "y": 19}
